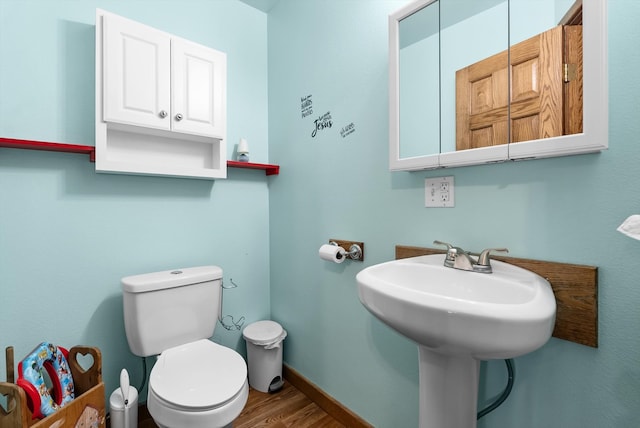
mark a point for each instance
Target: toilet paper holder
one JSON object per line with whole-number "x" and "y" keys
{"x": 353, "y": 250}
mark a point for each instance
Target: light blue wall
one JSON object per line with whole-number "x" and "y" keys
{"x": 564, "y": 209}
{"x": 67, "y": 234}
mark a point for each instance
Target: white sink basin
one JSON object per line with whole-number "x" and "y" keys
{"x": 501, "y": 315}
{"x": 458, "y": 318}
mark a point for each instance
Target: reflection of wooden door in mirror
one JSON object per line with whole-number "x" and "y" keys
{"x": 546, "y": 95}
{"x": 482, "y": 102}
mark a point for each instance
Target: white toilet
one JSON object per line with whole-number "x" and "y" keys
{"x": 195, "y": 382}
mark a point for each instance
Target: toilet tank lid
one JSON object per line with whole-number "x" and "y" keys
{"x": 170, "y": 278}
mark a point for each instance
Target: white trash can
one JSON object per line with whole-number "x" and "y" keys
{"x": 264, "y": 355}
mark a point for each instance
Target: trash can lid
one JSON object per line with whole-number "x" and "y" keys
{"x": 264, "y": 332}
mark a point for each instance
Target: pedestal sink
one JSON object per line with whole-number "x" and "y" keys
{"x": 457, "y": 319}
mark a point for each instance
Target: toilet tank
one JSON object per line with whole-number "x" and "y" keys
{"x": 170, "y": 308}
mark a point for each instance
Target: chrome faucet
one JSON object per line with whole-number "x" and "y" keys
{"x": 458, "y": 258}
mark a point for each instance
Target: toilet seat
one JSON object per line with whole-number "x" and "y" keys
{"x": 198, "y": 376}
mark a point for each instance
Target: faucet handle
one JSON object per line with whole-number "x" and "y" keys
{"x": 449, "y": 246}
{"x": 484, "y": 257}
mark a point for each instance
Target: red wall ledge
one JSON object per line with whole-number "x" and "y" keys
{"x": 52, "y": 147}
{"x": 269, "y": 169}
{"x": 14, "y": 143}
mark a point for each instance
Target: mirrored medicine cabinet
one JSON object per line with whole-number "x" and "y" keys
{"x": 483, "y": 81}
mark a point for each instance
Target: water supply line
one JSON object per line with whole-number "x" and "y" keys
{"x": 507, "y": 390}
{"x": 144, "y": 374}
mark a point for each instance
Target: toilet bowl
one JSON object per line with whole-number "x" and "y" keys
{"x": 197, "y": 385}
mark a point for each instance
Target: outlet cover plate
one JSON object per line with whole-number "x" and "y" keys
{"x": 439, "y": 192}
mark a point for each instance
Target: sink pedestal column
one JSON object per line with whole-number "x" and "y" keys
{"x": 448, "y": 390}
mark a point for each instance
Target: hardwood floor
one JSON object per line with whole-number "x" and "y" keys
{"x": 286, "y": 408}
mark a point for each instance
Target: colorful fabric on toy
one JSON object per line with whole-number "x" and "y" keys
{"x": 30, "y": 377}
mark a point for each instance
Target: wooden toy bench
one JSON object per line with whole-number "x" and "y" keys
{"x": 87, "y": 410}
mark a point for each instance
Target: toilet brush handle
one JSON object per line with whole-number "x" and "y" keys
{"x": 124, "y": 388}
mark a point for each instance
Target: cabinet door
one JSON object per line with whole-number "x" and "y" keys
{"x": 136, "y": 74}
{"x": 198, "y": 78}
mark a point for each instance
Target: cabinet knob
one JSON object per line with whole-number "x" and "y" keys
{"x": 179, "y": 117}
{"x": 162, "y": 114}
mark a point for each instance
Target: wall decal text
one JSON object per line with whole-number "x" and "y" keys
{"x": 321, "y": 123}
{"x": 306, "y": 106}
{"x": 348, "y": 130}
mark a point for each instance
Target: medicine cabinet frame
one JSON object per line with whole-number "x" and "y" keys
{"x": 594, "y": 137}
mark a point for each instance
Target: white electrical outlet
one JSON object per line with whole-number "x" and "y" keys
{"x": 439, "y": 192}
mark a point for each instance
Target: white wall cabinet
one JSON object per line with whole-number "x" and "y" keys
{"x": 160, "y": 102}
